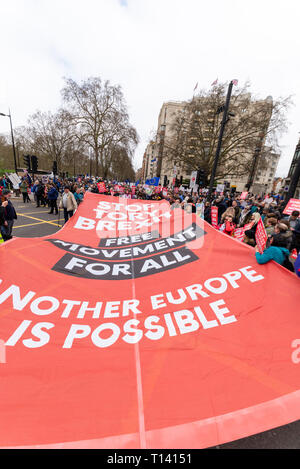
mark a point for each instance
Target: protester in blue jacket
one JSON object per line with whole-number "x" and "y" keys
{"x": 277, "y": 250}
{"x": 52, "y": 197}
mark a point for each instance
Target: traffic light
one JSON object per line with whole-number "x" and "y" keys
{"x": 201, "y": 179}
{"x": 54, "y": 169}
{"x": 27, "y": 162}
{"x": 34, "y": 163}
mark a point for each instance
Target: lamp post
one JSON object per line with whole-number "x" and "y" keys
{"x": 224, "y": 121}
{"x": 12, "y": 139}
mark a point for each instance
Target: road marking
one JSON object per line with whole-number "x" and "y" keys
{"x": 38, "y": 223}
{"x": 38, "y": 219}
{"x": 34, "y": 213}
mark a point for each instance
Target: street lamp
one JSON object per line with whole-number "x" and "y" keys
{"x": 12, "y": 139}
{"x": 225, "y": 110}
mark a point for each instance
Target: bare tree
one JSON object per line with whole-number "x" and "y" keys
{"x": 251, "y": 124}
{"x": 6, "y": 153}
{"x": 121, "y": 165}
{"x": 99, "y": 115}
{"x": 49, "y": 136}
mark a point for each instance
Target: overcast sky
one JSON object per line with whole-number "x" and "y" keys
{"x": 157, "y": 50}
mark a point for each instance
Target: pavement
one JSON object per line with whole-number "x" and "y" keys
{"x": 36, "y": 222}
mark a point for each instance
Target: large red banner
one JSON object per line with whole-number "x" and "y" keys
{"x": 137, "y": 326}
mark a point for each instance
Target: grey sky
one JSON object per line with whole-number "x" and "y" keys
{"x": 157, "y": 50}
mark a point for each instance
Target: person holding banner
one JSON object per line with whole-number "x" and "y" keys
{"x": 228, "y": 226}
{"x": 276, "y": 251}
{"x": 250, "y": 233}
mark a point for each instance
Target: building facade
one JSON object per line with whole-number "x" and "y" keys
{"x": 159, "y": 162}
{"x": 292, "y": 170}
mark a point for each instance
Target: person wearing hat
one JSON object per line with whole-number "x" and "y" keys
{"x": 9, "y": 215}
{"x": 68, "y": 203}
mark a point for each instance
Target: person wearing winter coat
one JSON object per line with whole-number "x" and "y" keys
{"x": 228, "y": 226}
{"x": 40, "y": 194}
{"x": 237, "y": 211}
{"x": 220, "y": 203}
{"x": 277, "y": 251}
{"x": 78, "y": 196}
{"x": 250, "y": 234}
{"x": 296, "y": 236}
{"x": 245, "y": 216}
{"x": 3, "y": 222}
{"x": 207, "y": 212}
{"x": 228, "y": 212}
{"x": 270, "y": 224}
{"x": 24, "y": 191}
{"x": 10, "y": 215}
{"x": 68, "y": 203}
{"x": 284, "y": 227}
{"x": 52, "y": 197}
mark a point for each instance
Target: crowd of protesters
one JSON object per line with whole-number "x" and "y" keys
{"x": 234, "y": 210}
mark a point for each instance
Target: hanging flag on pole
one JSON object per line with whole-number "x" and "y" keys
{"x": 215, "y": 82}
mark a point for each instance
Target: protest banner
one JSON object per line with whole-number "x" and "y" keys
{"x": 239, "y": 233}
{"x": 101, "y": 187}
{"x": 261, "y": 236}
{"x": 214, "y": 216}
{"x": 136, "y": 326}
{"x": 293, "y": 205}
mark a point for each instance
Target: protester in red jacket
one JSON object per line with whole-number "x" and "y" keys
{"x": 228, "y": 226}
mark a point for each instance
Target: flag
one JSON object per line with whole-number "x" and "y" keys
{"x": 196, "y": 86}
{"x": 235, "y": 82}
{"x": 215, "y": 82}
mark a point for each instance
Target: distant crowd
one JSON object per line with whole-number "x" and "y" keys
{"x": 235, "y": 214}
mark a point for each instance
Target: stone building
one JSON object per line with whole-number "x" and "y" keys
{"x": 292, "y": 170}
{"x": 157, "y": 160}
